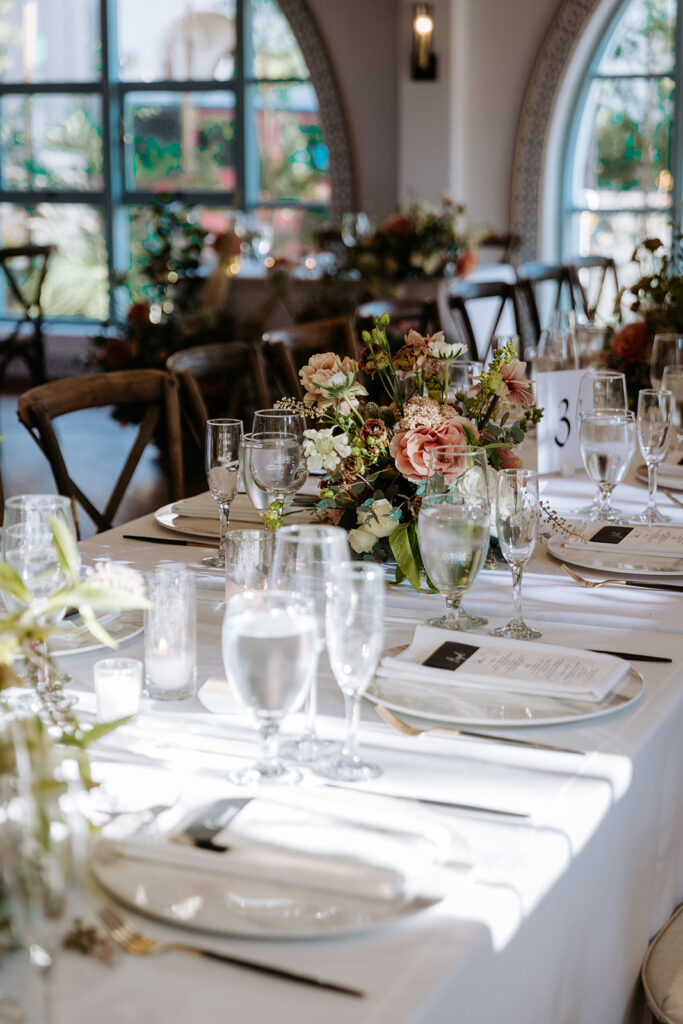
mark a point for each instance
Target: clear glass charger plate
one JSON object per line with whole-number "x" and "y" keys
{"x": 231, "y": 904}
{"x": 615, "y": 561}
{"x": 442, "y": 703}
{"x": 75, "y": 638}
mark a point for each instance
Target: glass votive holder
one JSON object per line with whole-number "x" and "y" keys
{"x": 248, "y": 557}
{"x": 170, "y": 635}
{"x": 118, "y": 685}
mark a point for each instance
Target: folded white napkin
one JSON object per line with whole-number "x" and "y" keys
{"x": 497, "y": 665}
{"x": 663, "y": 541}
{"x": 314, "y": 844}
{"x": 203, "y": 506}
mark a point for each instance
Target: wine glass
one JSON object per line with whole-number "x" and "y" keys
{"x": 269, "y": 641}
{"x": 355, "y": 632}
{"x": 222, "y": 473}
{"x": 279, "y": 421}
{"x": 599, "y": 389}
{"x": 517, "y": 516}
{"x": 27, "y": 544}
{"x": 667, "y": 350}
{"x": 672, "y": 380}
{"x": 453, "y": 528}
{"x": 305, "y": 557}
{"x": 557, "y": 347}
{"x": 654, "y": 429}
{"x": 608, "y": 440}
{"x": 277, "y": 464}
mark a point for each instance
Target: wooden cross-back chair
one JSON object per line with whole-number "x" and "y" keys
{"x": 234, "y": 369}
{"x": 462, "y": 293}
{"x": 289, "y": 348}
{"x": 155, "y": 390}
{"x": 590, "y": 274}
{"x": 404, "y": 315}
{"x": 531, "y": 277}
{"x": 25, "y": 340}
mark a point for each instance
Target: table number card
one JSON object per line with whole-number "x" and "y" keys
{"x": 557, "y": 394}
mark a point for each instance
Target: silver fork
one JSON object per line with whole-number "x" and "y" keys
{"x": 676, "y": 588}
{"x": 676, "y": 501}
{"x": 589, "y": 584}
{"x": 135, "y": 942}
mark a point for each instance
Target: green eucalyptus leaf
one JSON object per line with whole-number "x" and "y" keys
{"x": 12, "y": 583}
{"x": 402, "y": 549}
{"x": 64, "y": 544}
{"x": 94, "y": 627}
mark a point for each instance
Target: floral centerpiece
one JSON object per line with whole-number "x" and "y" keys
{"x": 420, "y": 241}
{"x": 375, "y": 453}
{"x": 657, "y": 300}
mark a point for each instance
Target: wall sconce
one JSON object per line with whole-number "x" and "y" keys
{"x": 423, "y": 63}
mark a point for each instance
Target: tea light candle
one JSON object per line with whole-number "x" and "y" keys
{"x": 168, "y": 669}
{"x": 118, "y": 684}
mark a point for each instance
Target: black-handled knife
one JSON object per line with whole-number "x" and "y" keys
{"x": 653, "y": 586}
{"x": 634, "y": 657}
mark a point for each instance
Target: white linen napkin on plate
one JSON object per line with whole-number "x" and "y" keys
{"x": 359, "y": 846}
{"x": 477, "y": 662}
{"x": 204, "y": 506}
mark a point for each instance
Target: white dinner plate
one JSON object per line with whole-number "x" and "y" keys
{"x": 226, "y": 903}
{"x": 669, "y": 477}
{"x": 77, "y": 639}
{"x": 615, "y": 561}
{"x": 195, "y": 526}
{"x": 440, "y": 703}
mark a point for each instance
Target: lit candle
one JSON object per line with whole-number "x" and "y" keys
{"x": 169, "y": 669}
{"x": 118, "y": 683}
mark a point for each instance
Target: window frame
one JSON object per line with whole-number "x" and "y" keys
{"x": 115, "y": 200}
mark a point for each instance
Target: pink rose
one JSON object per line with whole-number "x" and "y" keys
{"x": 411, "y": 449}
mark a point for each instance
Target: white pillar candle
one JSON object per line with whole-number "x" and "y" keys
{"x": 168, "y": 669}
{"x": 118, "y": 684}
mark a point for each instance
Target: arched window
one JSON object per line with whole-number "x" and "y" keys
{"x": 618, "y": 168}
{"x": 105, "y": 104}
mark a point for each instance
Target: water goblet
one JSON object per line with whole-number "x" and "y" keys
{"x": 355, "y": 631}
{"x": 667, "y": 350}
{"x": 654, "y": 429}
{"x": 277, "y": 464}
{"x": 27, "y": 544}
{"x": 599, "y": 389}
{"x": 672, "y": 380}
{"x": 517, "y": 516}
{"x": 453, "y": 528}
{"x": 305, "y": 558}
{"x": 269, "y": 641}
{"x": 222, "y": 473}
{"x": 279, "y": 421}
{"x": 557, "y": 347}
{"x": 608, "y": 440}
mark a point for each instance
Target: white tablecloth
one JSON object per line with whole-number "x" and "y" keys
{"x": 554, "y": 920}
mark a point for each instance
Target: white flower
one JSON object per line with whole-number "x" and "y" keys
{"x": 117, "y": 576}
{"x": 341, "y": 387}
{"x": 376, "y": 518}
{"x": 361, "y": 540}
{"x": 325, "y": 450}
{"x": 439, "y": 348}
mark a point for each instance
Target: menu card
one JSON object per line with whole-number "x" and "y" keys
{"x": 647, "y": 539}
{"x": 499, "y": 665}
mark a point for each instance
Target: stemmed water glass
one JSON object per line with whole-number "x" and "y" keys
{"x": 355, "y": 632}
{"x": 599, "y": 389}
{"x": 654, "y": 428}
{"x": 608, "y": 441}
{"x": 222, "y": 473}
{"x": 305, "y": 558}
{"x": 517, "y": 515}
{"x": 276, "y": 464}
{"x": 667, "y": 350}
{"x": 279, "y": 421}
{"x": 453, "y": 528}
{"x": 557, "y": 347}
{"x": 269, "y": 641}
{"x": 672, "y": 381}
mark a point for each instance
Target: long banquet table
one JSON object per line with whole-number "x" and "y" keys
{"x": 553, "y": 919}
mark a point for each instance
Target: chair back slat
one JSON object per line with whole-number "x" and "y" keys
{"x": 290, "y": 348}
{"x": 29, "y": 346}
{"x": 531, "y": 277}
{"x": 463, "y": 293}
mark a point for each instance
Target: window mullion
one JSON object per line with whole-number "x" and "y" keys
{"x": 110, "y": 137}
{"x": 676, "y": 155}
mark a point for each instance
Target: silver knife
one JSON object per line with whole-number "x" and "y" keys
{"x": 432, "y": 802}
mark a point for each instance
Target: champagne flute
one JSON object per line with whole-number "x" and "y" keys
{"x": 355, "y": 632}
{"x": 608, "y": 441}
{"x": 667, "y": 350}
{"x": 517, "y": 516}
{"x": 599, "y": 389}
{"x": 453, "y": 528}
{"x": 654, "y": 429}
{"x": 269, "y": 641}
{"x": 222, "y": 473}
{"x": 305, "y": 557}
{"x": 672, "y": 380}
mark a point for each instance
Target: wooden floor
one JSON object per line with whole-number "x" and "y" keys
{"x": 95, "y": 447}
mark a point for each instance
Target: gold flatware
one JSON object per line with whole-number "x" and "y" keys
{"x": 133, "y": 941}
{"x": 676, "y": 501}
{"x": 594, "y": 584}
{"x": 397, "y": 723}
